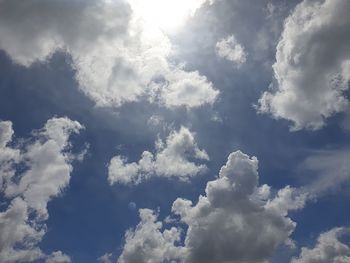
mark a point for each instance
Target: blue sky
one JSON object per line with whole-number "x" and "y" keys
{"x": 152, "y": 131}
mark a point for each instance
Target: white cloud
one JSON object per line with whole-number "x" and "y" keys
{"x": 328, "y": 249}
{"x": 16, "y": 229}
{"x": 287, "y": 199}
{"x": 228, "y": 48}
{"x": 330, "y": 169}
{"x": 118, "y": 56}
{"x": 49, "y": 167}
{"x": 30, "y": 178}
{"x": 6, "y": 133}
{"x": 230, "y": 223}
{"x": 172, "y": 159}
{"x": 188, "y": 89}
{"x": 8, "y": 155}
{"x": 312, "y": 66}
{"x": 58, "y": 257}
{"x": 148, "y": 243}
{"x": 235, "y": 221}
{"x": 106, "y": 258}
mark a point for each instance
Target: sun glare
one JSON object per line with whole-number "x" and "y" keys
{"x": 166, "y": 15}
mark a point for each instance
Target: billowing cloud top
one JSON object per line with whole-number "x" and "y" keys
{"x": 313, "y": 65}
{"x": 117, "y": 56}
{"x": 236, "y": 221}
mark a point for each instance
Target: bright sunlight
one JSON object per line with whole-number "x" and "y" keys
{"x": 167, "y": 15}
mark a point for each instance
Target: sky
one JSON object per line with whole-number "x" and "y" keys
{"x": 161, "y": 131}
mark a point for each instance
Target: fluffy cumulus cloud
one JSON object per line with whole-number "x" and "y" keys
{"x": 173, "y": 158}
{"x": 328, "y": 249}
{"x": 235, "y": 221}
{"x": 312, "y": 68}
{"x": 119, "y": 56}
{"x": 149, "y": 243}
{"x": 228, "y": 48}
{"x": 30, "y": 176}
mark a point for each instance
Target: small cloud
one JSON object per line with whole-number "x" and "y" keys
{"x": 177, "y": 157}
{"x": 106, "y": 258}
{"x": 155, "y": 120}
{"x": 132, "y": 206}
{"x": 228, "y": 48}
{"x": 328, "y": 249}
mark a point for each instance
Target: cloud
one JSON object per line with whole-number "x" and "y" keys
{"x": 173, "y": 158}
{"x": 155, "y": 121}
{"x": 235, "y": 221}
{"x": 228, "y": 48}
{"x": 30, "y": 177}
{"x": 312, "y": 68}
{"x": 147, "y": 243}
{"x": 188, "y": 89}
{"x": 58, "y": 257}
{"x": 49, "y": 168}
{"x": 17, "y": 229}
{"x": 106, "y": 258}
{"x": 330, "y": 169}
{"x": 231, "y": 223}
{"x": 118, "y": 57}
{"x": 8, "y": 155}
{"x": 328, "y": 249}
{"x": 6, "y": 133}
